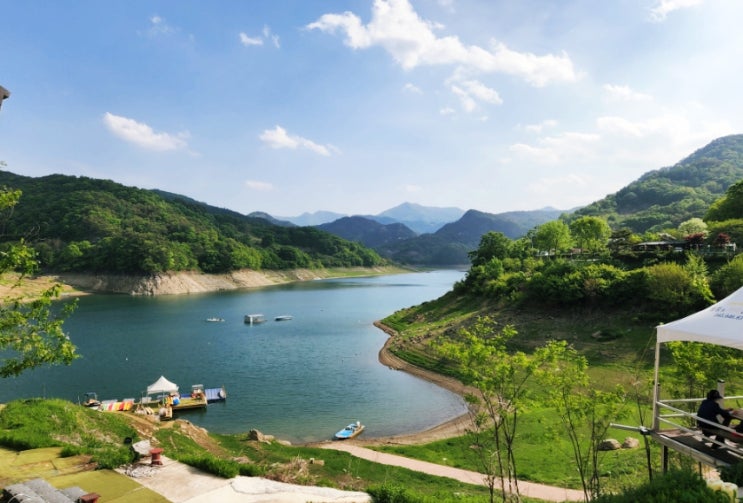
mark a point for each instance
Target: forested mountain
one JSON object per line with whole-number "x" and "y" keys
{"x": 316, "y": 218}
{"x": 664, "y": 198}
{"x": 420, "y": 219}
{"x": 473, "y": 224}
{"x": 447, "y": 246}
{"x": 452, "y": 242}
{"x": 84, "y": 224}
{"x": 368, "y": 232}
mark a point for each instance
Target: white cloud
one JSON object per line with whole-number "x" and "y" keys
{"x": 158, "y": 26}
{"x": 248, "y": 41}
{"x": 269, "y": 36}
{"x": 664, "y": 7}
{"x": 278, "y": 138}
{"x": 483, "y": 93}
{"x": 538, "y": 128}
{"x": 412, "y": 88}
{"x": 564, "y": 147}
{"x": 541, "y": 155}
{"x": 568, "y": 183}
{"x": 471, "y": 92}
{"x": 266, "y": 35}
{"x": 448, "y": 5}
{"x": 411, "y": 188}
{"x": 468, "y": 104}
{"x": 625, "y": 93}
{"x": 259, "y": 186}
{"x": 667, "y": 125}
{"x": 411, "y": 41}
{"x": 142, "y": 134}
{"x": 447, "y": 111}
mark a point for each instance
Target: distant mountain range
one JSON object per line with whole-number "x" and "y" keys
{"x": 657, "y": 201}
{"x": 84, "y": 224}
{"x": 420, "y": 219}
{"x": 449, "y": 245}
{"x": 422, "y": 235}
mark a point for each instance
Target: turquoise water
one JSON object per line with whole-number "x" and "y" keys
{"x": 300, "y": 380}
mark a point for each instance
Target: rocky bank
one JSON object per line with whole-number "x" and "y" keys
{"x": 176, "y": 283}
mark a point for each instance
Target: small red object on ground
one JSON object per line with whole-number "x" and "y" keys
{"x": 155, "y": 453}
{"x": 89, "y": 498}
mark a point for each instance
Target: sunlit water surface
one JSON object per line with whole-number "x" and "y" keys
{"x": 300, "y": 380}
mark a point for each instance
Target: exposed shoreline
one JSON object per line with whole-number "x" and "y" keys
{"x": 189, "y": 282}
{"x": 173, "y": 283}
{"x": 454, "y": 427}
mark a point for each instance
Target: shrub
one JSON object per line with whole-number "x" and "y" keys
{"x": 732, "y": 473}
{"x": 225, "y": 468}
{"x": 392, "y": 494}
{"x": 251, "y": 470}
{"x": 681, "y": 486}
{"x": 672, "y": 291}
{"x": 727, "y": 278}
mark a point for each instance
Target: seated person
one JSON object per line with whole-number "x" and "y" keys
{"x": 709, "y": 410}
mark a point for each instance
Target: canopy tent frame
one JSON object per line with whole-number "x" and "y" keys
{"x": 720, "y": 324}
{"x": 162, "y": 385}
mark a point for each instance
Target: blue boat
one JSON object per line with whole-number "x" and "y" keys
{"x": 350, "y": 431}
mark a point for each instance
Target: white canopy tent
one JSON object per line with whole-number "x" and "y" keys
{"x": 162, "y": 385}
{"x": 720, "y": 324}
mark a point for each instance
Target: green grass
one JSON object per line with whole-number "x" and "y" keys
{"x": 37, "y": 423}
{"x": 616, "y": 346}
{"x": 339, "y": 469}
{"x": 34, "y": 423}
{"x": 619, "y": 348}
{"x": 542, "y": 454}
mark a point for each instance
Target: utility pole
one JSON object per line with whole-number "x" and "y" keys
{"x": 4, "y": 94}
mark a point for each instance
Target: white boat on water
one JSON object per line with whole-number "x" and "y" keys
{"x": 252, "y": 319}
{"x": 350, "y": 431}
{"x": 214, "y": 319}
{"x": 284, "y": 317}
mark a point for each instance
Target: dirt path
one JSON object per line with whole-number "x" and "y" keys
{"x": 528, "y": 489}
{"x": 454, "y": 427}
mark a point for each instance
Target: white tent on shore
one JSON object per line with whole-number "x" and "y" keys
{"x": 720, "y": 324}
{"x": 674, "y": 425}
{"x": 162, "y": 385}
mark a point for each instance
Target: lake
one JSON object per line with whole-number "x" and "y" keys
{"x": 300, "y": 380}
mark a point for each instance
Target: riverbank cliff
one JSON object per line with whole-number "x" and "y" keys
{"x": 177, "y": 283}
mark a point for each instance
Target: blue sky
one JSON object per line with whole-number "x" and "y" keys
{"x": 355, "y": 106}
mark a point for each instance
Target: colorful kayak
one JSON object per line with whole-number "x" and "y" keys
{"x": 350, "y": 431}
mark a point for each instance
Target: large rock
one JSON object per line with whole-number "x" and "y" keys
{"x": 257, "y": 436}
{"x": 630, "y": 443}
{"x": 610, "y": 444}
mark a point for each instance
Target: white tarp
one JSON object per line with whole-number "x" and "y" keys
{"x": 720, "y": 324}
{"x": 162, "y": 385}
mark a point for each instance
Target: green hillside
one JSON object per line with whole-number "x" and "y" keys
{"x": 85, "y": 224}
{"x": 664, "y": 198}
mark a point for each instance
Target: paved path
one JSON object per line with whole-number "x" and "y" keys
{"x": 180, "y": 483}
{"x": 528, "y": 489}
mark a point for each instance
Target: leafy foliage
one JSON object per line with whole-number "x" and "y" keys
{"x": 84, "y": 224}
{"x": 681, "y": 486}
{"x": 31, "y": 333}
{"x": 584, "y": 411}
{"x": 664, "y": 198}
{"x": 729, "y": 206}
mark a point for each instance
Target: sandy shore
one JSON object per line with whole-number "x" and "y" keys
{"x": 452, "y": 428}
